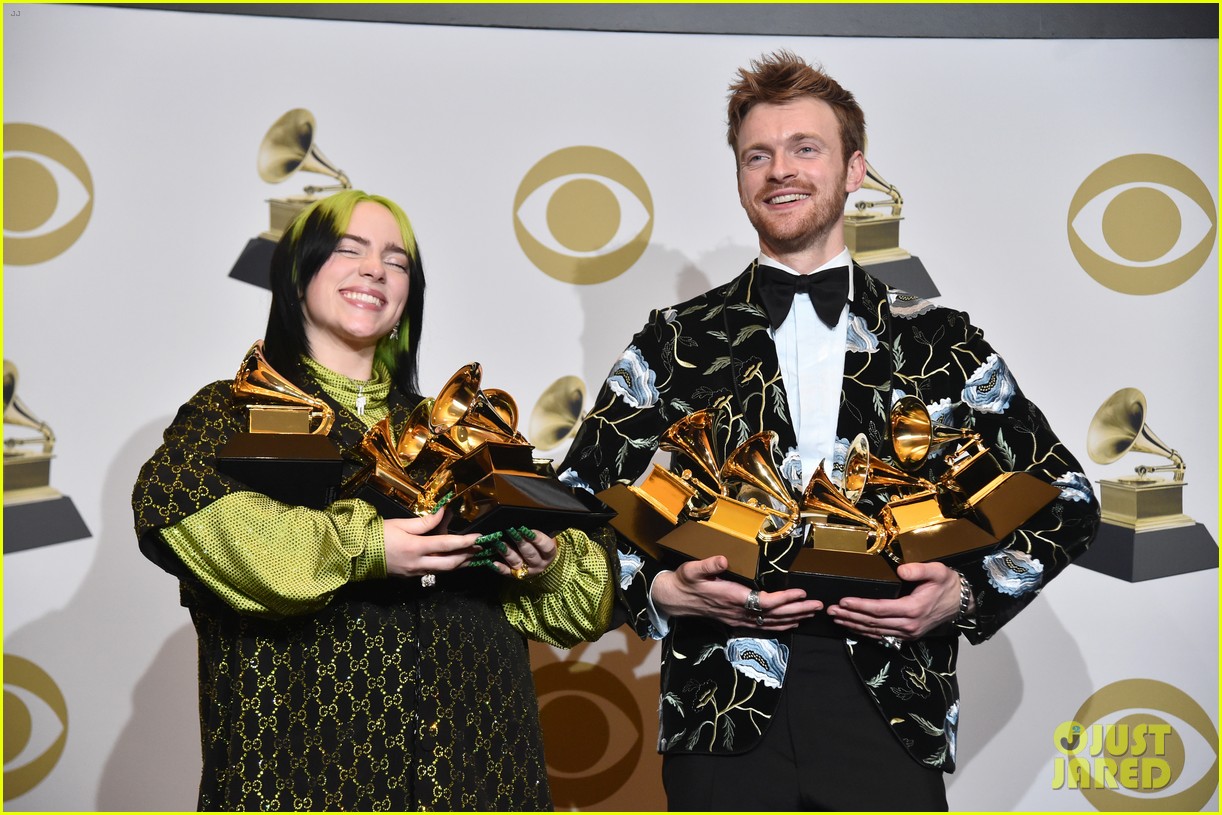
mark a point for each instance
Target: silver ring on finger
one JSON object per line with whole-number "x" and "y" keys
{"x": 753, "y": 602}
{"x": 759, "y": 619}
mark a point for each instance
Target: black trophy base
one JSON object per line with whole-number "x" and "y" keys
{"x": 35, "y": 523}
{"x": 501, "y": 500}
{"x": 1127, "y": 554}
{"x": 836, "y": 575}
{"x": 302, "y": 469}
{"x": 907, "y": 274}
{"x": 254, "y": 265}
{"x": 385, "y": 505}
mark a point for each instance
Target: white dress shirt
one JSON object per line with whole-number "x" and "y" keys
{"x": 812, "y": 368}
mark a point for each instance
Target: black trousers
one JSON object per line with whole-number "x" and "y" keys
{"x": 827, "y": 748}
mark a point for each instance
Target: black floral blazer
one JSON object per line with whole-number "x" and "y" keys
{"x": 721, "y": 685}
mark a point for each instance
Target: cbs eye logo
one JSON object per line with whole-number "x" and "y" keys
{"x": 583, "y": 215}
{"x": 1142, "y": 224}
{"x": 1138, "y": 745}
{"x": 48, "y": 194}
{"x": 35, "y": 725}
{"x": 590, "y": 762}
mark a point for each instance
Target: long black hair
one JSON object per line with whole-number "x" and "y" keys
{"x": 307, "y": 244}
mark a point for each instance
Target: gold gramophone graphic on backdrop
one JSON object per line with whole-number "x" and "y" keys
{"x": 25, "y": 469}
{"x": 872, "y": 234}
{"x": 288, "y": 147}
{"x": 1144, "y": 533}
{"x": 1143, "y": 501}
{"x": 35, "y": 513}
{"x": 466, "y": 442}
{"x": 558, "y": 412}
{"x": 285, "y": 452}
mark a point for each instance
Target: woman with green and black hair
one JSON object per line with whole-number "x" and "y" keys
{"x": 349, "y": 661}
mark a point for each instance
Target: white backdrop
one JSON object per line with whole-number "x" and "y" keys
{"x": 987, "y": 140}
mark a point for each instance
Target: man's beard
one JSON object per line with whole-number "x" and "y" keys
{"x": 788, "y": 235}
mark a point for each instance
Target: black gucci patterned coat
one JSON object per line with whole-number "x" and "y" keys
{"x": 721, "y": 685}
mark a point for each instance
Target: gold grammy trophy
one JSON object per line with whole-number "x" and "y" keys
{"x": 751, "y": 505}
{"x": 970, "y": 509}
{"x": 973, "y": 506}
{"x": 285, "y": 452}
{"x": 718, "y": 509}
{"x": 647, "y": 512}
{"x": 35, "y": 513}
{"x": 872, "y": 234}
{"x": 844, "y": 553}
{"x": 466, "y": 442}
{"x": 1145, "y": 533}
{"x": 287, "y": 148}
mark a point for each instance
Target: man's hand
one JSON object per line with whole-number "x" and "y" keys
{"x": 696, "y": 589}
{"x": 933, "y": 601}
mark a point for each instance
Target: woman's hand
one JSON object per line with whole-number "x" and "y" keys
{"x": 412, "y": 551}
{"x": 528, "y": 553}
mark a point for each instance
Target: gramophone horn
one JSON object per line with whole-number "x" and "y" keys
{"x": 1119, "y": 426}
{"x": 862, "y": 469}
{"x": 456, "y": 397}
{"x": 749, "y": 472}
{"x": 416, "y": 432}
{"x": 914, "y": 435}
{"x": 692, "y": 437}
{"x": 289, "y": 147}
{"x": 258, "y": 380}
{"x": 493, "y": 415}
{"x": 10, "y": 382}
{"x": 822, "y": 496}
{"x": 467, "y": 417}
{"x": 16, "y": 413}
{"x": 504, "y": 406}
{"x": 557, "y": 414}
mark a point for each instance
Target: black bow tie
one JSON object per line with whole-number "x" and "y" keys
{"x": 828, "y": 291}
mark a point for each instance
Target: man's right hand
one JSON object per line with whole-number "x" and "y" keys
{"x": 696, "y": 589}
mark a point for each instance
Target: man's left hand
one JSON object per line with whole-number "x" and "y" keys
{"x": 933, "y": 601}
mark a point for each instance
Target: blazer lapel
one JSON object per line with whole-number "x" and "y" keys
{"x": 760, "y": 399}
{"x": 865, "y": 399}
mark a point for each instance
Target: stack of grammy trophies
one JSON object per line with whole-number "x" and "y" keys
{"x": 465, "y": 444}
{"x": 731, "y": 507}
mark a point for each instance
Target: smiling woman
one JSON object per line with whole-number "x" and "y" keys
{"x": 358, "y": 295}
{"x": 348, "y": 661}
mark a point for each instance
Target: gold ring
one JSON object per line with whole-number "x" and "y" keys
{"x": 520, "y": 572}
